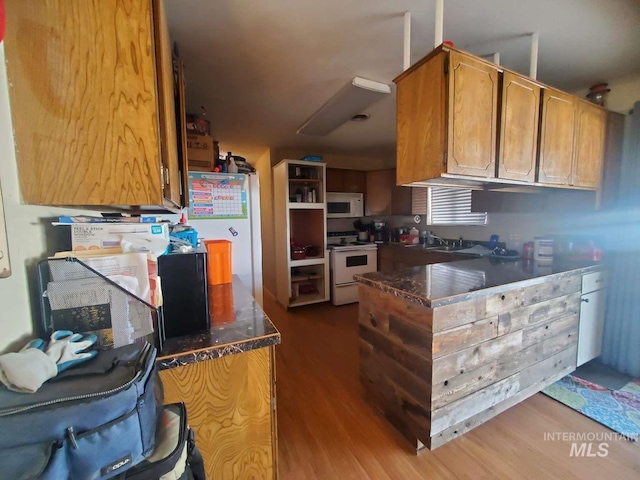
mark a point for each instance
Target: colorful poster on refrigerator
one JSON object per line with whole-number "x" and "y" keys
{"x": 217, "y": 196}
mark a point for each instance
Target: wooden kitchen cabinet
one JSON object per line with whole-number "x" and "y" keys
{"x": 446, "y": 117}
{"x": 345, "y": 180}
{"x": 231, "y": 406}
{"x": 572, "y": 141}
{"x": 473, "y": 105}
{"x": 454, "y": 108}
{"x": 378, "y": 200}
{"x": 518, "y": 128}
{"x": 93, "y": 103}
{"x": 557, "y": 133}
{"x": 383, "y": 197}
{"x": 591, "y": 127}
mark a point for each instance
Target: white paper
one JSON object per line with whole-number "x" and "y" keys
{"x": 132, "y": 265}
{"x": 94, "y": 291}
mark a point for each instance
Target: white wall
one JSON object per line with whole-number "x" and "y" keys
{"x": 30, "y": 236}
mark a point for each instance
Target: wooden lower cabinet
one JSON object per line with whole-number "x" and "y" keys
{"x": 231, "y": 406}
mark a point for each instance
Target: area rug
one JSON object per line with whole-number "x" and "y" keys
{"x": 617, "y": 409}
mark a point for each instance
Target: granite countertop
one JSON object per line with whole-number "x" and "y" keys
{"x": 238, "y": 324}
{"x": 445, "y": 283}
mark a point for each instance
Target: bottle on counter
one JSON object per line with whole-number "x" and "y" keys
{"x": 414, "y": 236}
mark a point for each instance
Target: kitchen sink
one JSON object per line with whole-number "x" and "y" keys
{"x": 447, "y": 248}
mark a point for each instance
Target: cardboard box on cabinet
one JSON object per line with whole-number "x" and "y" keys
{"x": 200, "y": 152}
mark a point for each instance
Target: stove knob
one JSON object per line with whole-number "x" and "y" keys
{"x": 343, "y": 241}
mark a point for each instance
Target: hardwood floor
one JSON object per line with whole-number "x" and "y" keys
{"x": 328, "y": 430}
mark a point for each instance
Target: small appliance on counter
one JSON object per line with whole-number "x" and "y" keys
{"x": 184, "y": 289}
{"x": 379, "y": 232}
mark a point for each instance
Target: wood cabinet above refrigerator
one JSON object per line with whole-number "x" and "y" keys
{"x": 92, "y": 96}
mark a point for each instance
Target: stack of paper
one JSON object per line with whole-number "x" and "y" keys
{"x": 119, "y": 309}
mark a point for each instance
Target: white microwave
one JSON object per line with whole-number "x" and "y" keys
{"x": 345, "y": 205}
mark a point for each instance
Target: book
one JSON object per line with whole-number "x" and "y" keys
{"x": 66, "y": 220}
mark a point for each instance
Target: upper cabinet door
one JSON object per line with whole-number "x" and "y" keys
{"x": 473, "y": 104}
{"x": 518, "y": 128}
{"x": 421, "y": 135}
{"x": 355, "y": 181}
{"x": 590, "y": 142}
{"x": 557, "y": 133}
{"x": 166, "y": 104}
{"x": 334, "y": 180}
{"x": 84, "y": 102}
{"x": 379, "y": 183}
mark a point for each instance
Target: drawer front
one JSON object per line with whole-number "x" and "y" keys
{"x": 594, "y": 281}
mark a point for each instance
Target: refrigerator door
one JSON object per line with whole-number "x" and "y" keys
{"x": 245, "y": 236}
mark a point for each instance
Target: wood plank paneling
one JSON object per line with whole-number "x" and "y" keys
{"x": 467, "y": 335}
{"x": 464, "y": 374}
{"x": 471, "y": 405}
{"x": 559, "y": 370}
{"x": 229, "y": 406}
{"x": 538, "y": 312}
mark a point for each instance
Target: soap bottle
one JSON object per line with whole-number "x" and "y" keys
{"x": 414, "y": 236}
{"x": 231, "y": 164}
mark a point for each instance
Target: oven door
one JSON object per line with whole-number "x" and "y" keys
{"x": 353, "y": 262}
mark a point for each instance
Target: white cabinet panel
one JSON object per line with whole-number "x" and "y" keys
{"x": 591, "y": 325}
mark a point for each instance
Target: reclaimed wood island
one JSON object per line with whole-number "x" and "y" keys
{"x": 448, "y": 346}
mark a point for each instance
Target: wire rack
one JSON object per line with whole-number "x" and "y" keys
{"x": 75, "y": 297}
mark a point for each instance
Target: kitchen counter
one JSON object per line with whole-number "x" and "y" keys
{"x": 226, "y": 379}
{"x": 242, "y": 328}
{"x": 446, "y": 347}
{"x": 445, "y": 283}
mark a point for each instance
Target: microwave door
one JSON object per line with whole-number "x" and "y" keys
{"x": 339, "y": 208}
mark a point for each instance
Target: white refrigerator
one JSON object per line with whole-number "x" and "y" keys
{"x": 227, "y": 207}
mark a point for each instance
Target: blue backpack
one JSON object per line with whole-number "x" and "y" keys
{"x": 94, "y": 421}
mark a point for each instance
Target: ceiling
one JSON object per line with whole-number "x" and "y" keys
{"x": 261, "y": 68}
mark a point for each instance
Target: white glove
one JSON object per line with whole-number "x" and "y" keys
{"x": 65, "y": 348}
{"x": 28, "y": 369}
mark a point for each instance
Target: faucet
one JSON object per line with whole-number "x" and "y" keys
{"x": 441, "y": 240}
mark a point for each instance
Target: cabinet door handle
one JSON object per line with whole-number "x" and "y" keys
{"x": 585, "y": 300}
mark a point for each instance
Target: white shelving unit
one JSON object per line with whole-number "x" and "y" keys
{"x": 301, "y": 216}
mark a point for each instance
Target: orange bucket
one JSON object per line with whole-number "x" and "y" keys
{"x": 218, "y": 261}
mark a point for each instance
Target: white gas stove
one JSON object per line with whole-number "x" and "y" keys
{"x": 348, "y": 258}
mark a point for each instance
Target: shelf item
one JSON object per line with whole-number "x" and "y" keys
{"x": 300, "y": 224}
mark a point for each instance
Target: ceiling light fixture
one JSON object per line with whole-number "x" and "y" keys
{"x": 350, "y": 101}
{"x": 360, "y": 117}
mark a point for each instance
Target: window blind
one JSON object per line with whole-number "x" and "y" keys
{"x": 452, "y": 206}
